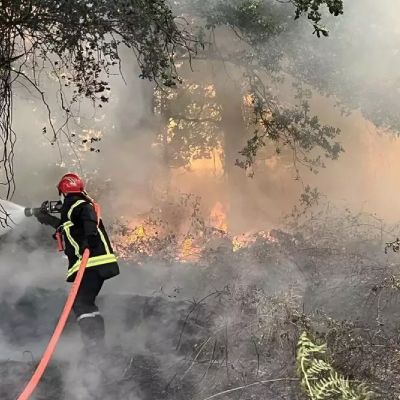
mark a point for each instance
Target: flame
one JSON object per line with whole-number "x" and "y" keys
{"x": 248, "y": 99}
{"x": 187, "y": 246}
{"x": 218, "y": 217}
{"x": 209, "y": 91}
{"x": 151, "y": 237}
{"x": 267, "y": 236}
{"x": 139, "y": 233}
{"x": 136, "y": 239}
{"x": 245, "y": 240}
{"x": 189, "y": 252}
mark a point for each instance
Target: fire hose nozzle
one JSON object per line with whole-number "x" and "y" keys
{"x": 30, "y": 212}
{"x": 50, "y": 207}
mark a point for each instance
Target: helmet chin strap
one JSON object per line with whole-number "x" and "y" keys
{"x": 62, "y": 198}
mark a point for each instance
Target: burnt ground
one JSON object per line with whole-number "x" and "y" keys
{"x": 122, "y": 372}
{"x": 237, "y": 323}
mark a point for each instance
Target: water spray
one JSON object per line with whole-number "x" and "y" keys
{"x": 17, "y": 213}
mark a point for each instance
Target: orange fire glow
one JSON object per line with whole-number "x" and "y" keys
{"x": 189, "y": 251}
{"x": 218, "y": 218}
{"x": 247, "y": 239}
{"x": 146, "y": 240}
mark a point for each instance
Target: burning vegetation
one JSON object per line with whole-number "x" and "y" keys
{"x": 178, "y": 231}
{"x": 309, "y": 267}
{"x": 221, "y": 298}
{"x": 305, "y": 312}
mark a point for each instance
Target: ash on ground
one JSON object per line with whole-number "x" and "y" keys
{"x": 227, "y": 324}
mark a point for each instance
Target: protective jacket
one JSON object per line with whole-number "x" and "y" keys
{"x": 82, "y": 229}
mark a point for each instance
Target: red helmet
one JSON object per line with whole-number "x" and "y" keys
{"x": 70, "y": 183}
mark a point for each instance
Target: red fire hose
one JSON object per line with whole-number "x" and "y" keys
{"x": 31, "y": 386}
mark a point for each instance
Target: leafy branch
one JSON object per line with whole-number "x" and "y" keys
{"x": 319, "y": 379}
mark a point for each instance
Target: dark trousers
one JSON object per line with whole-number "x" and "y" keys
{"x": 90, "y": 321}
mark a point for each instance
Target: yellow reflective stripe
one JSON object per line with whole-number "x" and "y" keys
{"x": 69, "y": 224}
{"x": 72, "y": 241}
{"x": 103, "y": 239}
{"x": 98, "y": 260}
{"x": 93, "y": 262}
{"x": 79, "y": 202}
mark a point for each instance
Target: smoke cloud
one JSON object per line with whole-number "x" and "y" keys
{"x": 125, "y": 176}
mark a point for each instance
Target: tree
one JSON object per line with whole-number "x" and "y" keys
{"x": 78, "y": 43}
{"x": 360, "y": 73}
{"x": 229, "y": 102}
{"x": 255, "y": 57}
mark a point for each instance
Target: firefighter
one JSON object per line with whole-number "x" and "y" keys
{"x": 81, "y": 228}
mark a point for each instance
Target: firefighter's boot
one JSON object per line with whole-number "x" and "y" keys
{"x": 92, "y": 332}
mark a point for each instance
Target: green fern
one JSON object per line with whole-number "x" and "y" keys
{"x": 319, "y": 379}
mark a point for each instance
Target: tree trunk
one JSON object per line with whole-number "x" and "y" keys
{"x": 230, "y": 99}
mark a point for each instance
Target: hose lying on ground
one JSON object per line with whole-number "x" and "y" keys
{"x": 32, "y": 384}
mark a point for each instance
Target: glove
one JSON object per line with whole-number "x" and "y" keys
{"x": 44, "y": 208}
{"x": 42, "y": 217}
{"x": 47, "y": 219}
